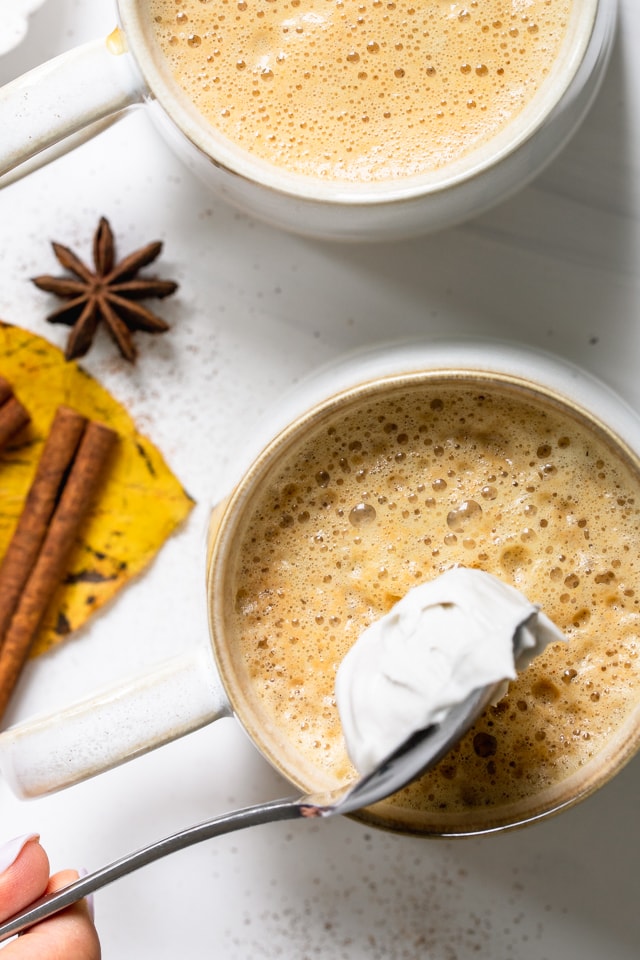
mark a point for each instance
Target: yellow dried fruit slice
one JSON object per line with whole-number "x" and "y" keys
{"x": 140, "y": 504}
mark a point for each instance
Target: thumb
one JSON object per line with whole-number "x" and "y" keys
{"x": 68, "y": 935}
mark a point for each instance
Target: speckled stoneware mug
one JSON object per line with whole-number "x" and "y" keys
{"x": 380, "y": 472}
{"x": 62, "y": 103}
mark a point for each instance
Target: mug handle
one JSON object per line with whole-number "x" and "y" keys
{"x": 51, "y": 752}
{"x": 60, "y": 104}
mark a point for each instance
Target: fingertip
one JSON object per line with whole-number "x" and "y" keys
{"x": 10, "y": 850}
{"x": 25, "y": 875}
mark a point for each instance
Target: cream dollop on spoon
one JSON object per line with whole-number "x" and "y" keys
{"x": 443, "y": 640}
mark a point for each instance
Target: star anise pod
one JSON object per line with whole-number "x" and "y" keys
{"x": 109, "y": 293}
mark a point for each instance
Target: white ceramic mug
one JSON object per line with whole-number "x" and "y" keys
{"x": 62, "y": 103}
{"x": 183, "y": 694}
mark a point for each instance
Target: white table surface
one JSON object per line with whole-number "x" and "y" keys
{"x": 555, "y": 267}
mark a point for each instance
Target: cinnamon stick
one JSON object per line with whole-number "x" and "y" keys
{"x": 50, "y": 567}
{"x": 5, "y": 390}
{"x": 13, "y": 417}
{"x": 56, "y": 458}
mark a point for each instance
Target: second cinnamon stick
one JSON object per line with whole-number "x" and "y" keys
{"x": 56, "y": 458}
{"x": 5, "y": 390}
{"x": 75, "y": 500}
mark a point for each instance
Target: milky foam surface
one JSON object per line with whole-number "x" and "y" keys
{"x": 393, "y": 494}
{"x": 360, "y": 90}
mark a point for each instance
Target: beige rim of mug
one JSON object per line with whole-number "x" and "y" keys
{"x": 177, "y": 106}
{"x": 226, "y": 522}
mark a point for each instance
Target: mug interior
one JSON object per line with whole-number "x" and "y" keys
{"x": 226, "y": 155}
{"x": 229, "y": 526}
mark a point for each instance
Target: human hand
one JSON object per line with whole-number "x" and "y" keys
{"x": 24, "y": 877}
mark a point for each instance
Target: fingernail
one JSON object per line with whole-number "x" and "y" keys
{"x": 11, "y": 850}
{"x": 83, "y": 872}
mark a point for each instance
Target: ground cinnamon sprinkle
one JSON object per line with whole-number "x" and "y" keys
{"x": 68, "y": 476}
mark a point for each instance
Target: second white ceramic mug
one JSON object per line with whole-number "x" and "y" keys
{"x": 184, "y": 693}
{"x": 63, "y": 102}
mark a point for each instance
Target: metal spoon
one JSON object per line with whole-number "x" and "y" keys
{"x": 421, "y": 751}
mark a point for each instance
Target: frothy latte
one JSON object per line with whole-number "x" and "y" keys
{"x": 393, "y": 492}
{"x": 359, "y": 90}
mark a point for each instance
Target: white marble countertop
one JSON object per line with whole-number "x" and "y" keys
{"x": 555, "y": 267}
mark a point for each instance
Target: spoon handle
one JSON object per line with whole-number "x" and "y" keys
{"x": 227, "y": 823}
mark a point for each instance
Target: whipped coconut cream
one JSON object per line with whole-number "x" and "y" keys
{"x": 443, "y": 640}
